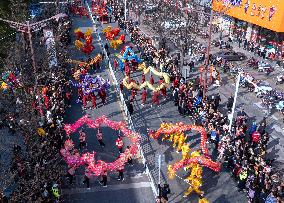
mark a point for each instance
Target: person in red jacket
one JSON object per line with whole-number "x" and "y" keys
{"x": 133, "y": 94}
{"x": 143, "y": 78}
{"x": 102, "y": 95}
{"x": 144, "y": 96}
{"x": 155, "y": 99}
{"x": 163, "y": 90}
{"x": 255, "y": 138}
{"x": 121, "y": 86}
{"x": 152, "y": 80}
{"x": 84, "y": 101}
{"x": 94, "y": 100}
{"x": 115, "y": 64}
{"x": 119, "y": 143}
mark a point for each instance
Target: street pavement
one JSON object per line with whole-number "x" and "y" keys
{"x": 136, "y": 186}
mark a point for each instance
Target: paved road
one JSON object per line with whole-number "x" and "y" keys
{"x": 136, "y": 187}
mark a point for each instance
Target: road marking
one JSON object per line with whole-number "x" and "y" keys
{"x": 258, "y": 104}
{"x": 108, "y": 188}
{"x": 277, "y": 128}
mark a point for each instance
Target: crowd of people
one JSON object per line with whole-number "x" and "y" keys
{"x": 244, "y": 150}
{"x": 37, "y": 116}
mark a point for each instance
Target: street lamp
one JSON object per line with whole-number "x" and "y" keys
{"x": 125, "y": 10}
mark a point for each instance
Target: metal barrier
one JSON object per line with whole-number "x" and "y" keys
{"x": 122, "y": 100}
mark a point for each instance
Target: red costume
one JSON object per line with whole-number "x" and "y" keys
{"x": 94, "y": 100}
{"x": 143, "y": 77}
{"x": 155, "y": 98}
{"x": 152, "y": 80}
{"x": 84, "y": 101}
{"x": 102, "y": 95}
{"x": 144, "y": 96}
{"x": 119, "y": 144}
{"x": 255, "y": 136}
{"x": 115, "y": 65}
{"x": 121, "y": 86}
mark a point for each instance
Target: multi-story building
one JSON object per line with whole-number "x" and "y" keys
{"x": 257, "y": 21}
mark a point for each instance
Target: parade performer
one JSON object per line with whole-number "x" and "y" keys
{"x": 143, "y": 78}
{"x": 155, "y": 98}
{"x": 176, "y": 137}
{"x": 100, "y": 138}
{"x": 94, "y": 100}
{"x": 115, "y": 64}
{"x": 152, "y": 80}
{"x": 195, "y": 184}
{"x": 84, "y": 101}
{"x": 82, "y": 138}
{"x": 102, "y": 95}
{"x": 119, "y": 143}
{"x": 185, "y": 149}
{"x": 181, "y": 142}
{"x": 144, "y": 96}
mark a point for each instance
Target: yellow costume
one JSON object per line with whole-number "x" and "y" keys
{"x": 142, "y": 66}
{"x": 185, "y": 149}
{"x": 171, "y": 173}
{"x": 79, "y": 45}
{"x": 176, "y": 139}
{"x": 115, "y": 43}
{"x": 195, "y": 184}
{"x": 203, "y": 200}
{"x": 181, "y": 141}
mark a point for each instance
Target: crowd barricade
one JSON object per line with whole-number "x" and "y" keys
{"x": 122, "y": 100}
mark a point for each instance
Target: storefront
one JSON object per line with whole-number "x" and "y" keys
{"x": 257, "y": 21}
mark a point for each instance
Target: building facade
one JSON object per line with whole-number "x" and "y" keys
{"x": 256, "y": 21}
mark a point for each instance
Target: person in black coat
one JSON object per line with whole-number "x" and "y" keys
{"x": 129, "y": 106}
{"x": 163, "y": 192}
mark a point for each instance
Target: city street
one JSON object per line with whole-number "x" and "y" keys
{"x": 218, "y": 187}
{"x": 136, "y": 187}
{"x": 142, "y": 101}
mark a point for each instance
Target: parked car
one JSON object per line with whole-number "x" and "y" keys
{"x": 230, "y": 55}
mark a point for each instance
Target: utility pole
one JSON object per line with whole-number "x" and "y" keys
{"x": 231, "y": 115}
{"x": 57, "y": 6}
{"x": 125, "y": 10}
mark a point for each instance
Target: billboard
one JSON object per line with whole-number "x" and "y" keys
{"x": 267, "y": 14}
{"x": 50, "y": 47}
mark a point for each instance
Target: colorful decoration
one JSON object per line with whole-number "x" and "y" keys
{"x": 195, "y": 161}
{"x": 115, "y": 43}
{"x": 9, "y": 82}
{"x": 86, "y": 65}
{"x": 95, "y": 168}
{"x": 87, "y": 48}
{"x": 134, "y": 85}
{"x": 91, "y": 84}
